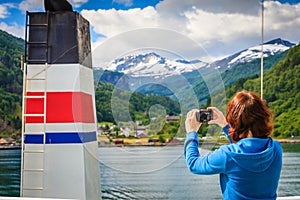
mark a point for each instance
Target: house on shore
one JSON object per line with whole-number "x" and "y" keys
{"x": 172, "y": 118}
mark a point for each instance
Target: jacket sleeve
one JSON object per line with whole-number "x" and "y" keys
{"x": 226, "y": 130}
{"x": 212, "y": 163}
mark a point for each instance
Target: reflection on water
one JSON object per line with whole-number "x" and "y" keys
{"x": 10, "y": 169}
{"x": 150, "y": 173}
{"x": 289, "y": 184}
{"x": 160, "y": 173}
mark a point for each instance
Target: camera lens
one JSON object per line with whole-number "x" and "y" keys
{"x": 203, "y": 117}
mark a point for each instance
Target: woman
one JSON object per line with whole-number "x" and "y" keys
{"x": 250, "y": 166}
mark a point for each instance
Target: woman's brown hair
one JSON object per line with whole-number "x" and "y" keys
{"x": 248, "y": 113}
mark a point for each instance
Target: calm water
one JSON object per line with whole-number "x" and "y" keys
{"x": 10, "y": 162}
{"x": 150, "y": 173}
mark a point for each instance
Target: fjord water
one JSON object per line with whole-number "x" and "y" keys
{"x": 10, "y": 169}
{"x": 161, "y": 173}
{"x": 150, "y": 173}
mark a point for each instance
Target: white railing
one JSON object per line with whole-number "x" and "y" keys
{"x": 289, "y": 198}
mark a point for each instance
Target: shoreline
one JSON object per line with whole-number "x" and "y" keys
{"x": 282, "y": 141}
{"x": 8, "y": 147}
{"x": 285, "y": 141}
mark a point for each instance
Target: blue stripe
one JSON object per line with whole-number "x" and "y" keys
{"x": 61, "y": 138}
{"x": 33, "y": 139}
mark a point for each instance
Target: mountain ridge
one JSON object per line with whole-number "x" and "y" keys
{"x": 195, "y": 77}
{"x": 152, "y": 64}
{"x": 271, "y": 47}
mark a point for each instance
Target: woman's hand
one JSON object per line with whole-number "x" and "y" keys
{"x": 218, "y": 117}
{"x": 191, "y": 123}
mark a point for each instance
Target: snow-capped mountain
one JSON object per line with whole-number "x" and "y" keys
{"x": 272, "y": 47}
{"x": 154, "y": 65}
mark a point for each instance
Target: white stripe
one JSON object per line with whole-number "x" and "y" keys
{"x": 60, "y": 78}
{"x": 60, "y": 127}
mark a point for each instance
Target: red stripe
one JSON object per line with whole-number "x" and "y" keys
{"x": 62, "y": 107}
{"x": 34, "y": 106}
{"x": 34, "y": 120}
{"x": 35, "y": 93}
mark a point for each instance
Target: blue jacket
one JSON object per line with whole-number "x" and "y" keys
{"x": 249, "y": 169}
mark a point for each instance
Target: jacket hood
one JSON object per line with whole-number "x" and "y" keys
{"x": 253, "y": 154}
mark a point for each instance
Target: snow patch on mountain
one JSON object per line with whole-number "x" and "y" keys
{"x": 255, "y": 52}
{"x": 154, "y": 65}
{"x": 270, "y": 48}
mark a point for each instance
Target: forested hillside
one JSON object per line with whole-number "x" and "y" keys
{"x": 249, "y": 69}
{"x": 138, "y": 103}
{"x": 11, "y": 49}
{"x": 282, "y": 92}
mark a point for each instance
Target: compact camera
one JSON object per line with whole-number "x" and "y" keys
{"x": 204, "y": 115}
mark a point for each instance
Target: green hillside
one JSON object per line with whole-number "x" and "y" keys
{"x": 249, "y": 69}
{"x": 11, "y": 49}
{"x": 282, "y": 92}
{"x": 138, "y": 103}
{"x": 234, "y": 74}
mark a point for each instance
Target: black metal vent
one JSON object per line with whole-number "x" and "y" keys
{"x": 57, "y": 38}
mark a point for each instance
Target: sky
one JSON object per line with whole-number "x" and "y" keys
{"x": 191, "y": 29}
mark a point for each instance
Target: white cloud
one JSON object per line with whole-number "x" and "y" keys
{"x": 31, "y": 5}
{"x": 112, "y": 22}
{"x": 221, "y": 27}
{"x": 38, "y": 5}
{"x": 212, "y": 6}
{"x": 4, "y": 13}
{"x": 222, "y": 33}
{"x": 77, "y": 3}
{"x": 282, "y": 20}
{"x": 126, "y": 3}
{"x": 14, "y": 29}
